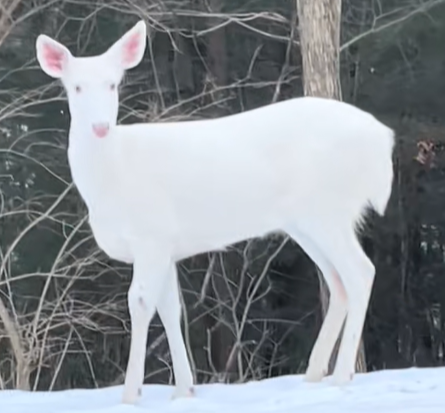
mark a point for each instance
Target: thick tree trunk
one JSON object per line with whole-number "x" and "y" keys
{"x": 319, "y": 29}
{"x": 319, "y": 23}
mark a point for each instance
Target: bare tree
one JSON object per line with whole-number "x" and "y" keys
{"x": 319, "y": 29}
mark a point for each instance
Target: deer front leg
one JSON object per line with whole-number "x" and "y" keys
{"x": 149, "y": 276}
{"x": 169, "y": 310}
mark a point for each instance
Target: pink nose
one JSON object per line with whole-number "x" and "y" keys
{"x": 101, "y": 129}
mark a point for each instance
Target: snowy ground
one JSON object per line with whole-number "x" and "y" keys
{"x": 407, "y": 391}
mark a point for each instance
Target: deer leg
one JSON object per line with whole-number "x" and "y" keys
{"x": 149, "y": 275}
{"x": 335, "y": 316}
{"x": 169, "y": 310}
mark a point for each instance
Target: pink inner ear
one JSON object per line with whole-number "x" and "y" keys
{"x": 131, "y": 47}
{"x": 54, "y": 57}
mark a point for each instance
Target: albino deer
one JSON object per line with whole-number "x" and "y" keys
{"x": 161, "y": 192}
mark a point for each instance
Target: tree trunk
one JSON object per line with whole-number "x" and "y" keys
{"x": 319, "y": 29}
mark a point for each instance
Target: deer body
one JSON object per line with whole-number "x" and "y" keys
{"x": 203, "y": 185}
{"x": 159, "y": 193}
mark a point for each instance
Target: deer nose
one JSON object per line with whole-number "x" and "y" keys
{"x": 101, "y": 129}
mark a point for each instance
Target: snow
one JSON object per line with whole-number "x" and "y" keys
{"x": 407, "y": 391}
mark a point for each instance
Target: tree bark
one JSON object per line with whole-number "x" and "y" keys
{"x": 319, "y": 24}
{"x": 319, "y": 29}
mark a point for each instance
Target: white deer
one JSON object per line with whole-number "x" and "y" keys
{"x": 161, "y": 192}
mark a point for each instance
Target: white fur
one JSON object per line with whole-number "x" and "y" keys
{"x": 158, "y": 193}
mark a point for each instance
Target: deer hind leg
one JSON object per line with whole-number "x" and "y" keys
{"x": 149, "y": 275}
{"x": 341, "y": 246}
{"x": 357, "y": 273}
{"x": 336, "y": 314}
{"x": 169, "y": 310}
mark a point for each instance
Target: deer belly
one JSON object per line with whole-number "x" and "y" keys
{"x": 111, "y": 243}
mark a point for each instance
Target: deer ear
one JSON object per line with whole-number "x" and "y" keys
{"x": 52, "y": 56}
{"x": 129, "y": 49}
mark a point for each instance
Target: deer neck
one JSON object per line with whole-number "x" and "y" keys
{"x": 92, "y": 164}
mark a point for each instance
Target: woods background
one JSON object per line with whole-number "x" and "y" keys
{"x": 254, "y": 311}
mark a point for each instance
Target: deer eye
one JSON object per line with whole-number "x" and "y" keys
{"x": 78, "y": 89}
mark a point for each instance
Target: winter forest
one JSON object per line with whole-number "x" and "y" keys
{"x": 254, "y": 311}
